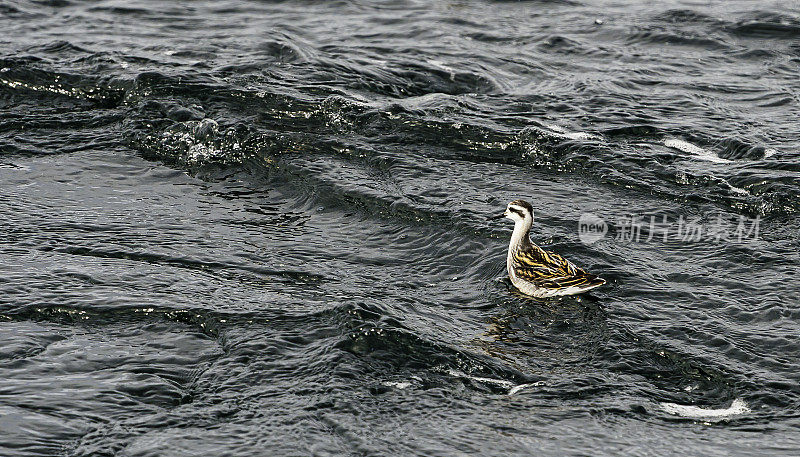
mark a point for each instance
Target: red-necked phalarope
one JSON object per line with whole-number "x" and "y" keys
{"x": 535, "y": 271}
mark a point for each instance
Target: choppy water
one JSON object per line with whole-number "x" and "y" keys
{"x": 257, "y": 228}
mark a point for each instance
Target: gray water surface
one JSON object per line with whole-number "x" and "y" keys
{"x": 260, "y": 228}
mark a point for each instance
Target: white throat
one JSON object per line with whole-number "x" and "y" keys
{"x": 521, "y": 229}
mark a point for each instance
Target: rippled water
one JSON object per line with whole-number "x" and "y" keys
{"x": 257, "y": 228}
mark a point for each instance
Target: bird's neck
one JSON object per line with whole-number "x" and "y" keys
{"x": 521, "y": 234}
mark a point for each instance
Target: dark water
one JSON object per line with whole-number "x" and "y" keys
{"x": 257, "y": 228}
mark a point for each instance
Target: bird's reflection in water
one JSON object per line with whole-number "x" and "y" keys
{"x": 546, "y": 334}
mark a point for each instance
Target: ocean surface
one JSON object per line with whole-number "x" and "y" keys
{"x": 247, "y": 228}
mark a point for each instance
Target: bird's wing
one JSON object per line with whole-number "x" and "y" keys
{"x": 550, "y": 270}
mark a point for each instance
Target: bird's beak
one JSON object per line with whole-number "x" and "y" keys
{"x": 499, "y": 216}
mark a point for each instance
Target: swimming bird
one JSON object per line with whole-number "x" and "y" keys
{"x": 535, "y": 271}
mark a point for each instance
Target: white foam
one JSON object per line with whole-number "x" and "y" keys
{"x": 770, "y": 152}
{"x": 496, "y": 382}
{"x": 738, "y": 190}
{"x": 564, "y": 133}
{"x": 581, "y": 136}
{"x": 397, "y": 384}
{"x": 512, "y": 388}
{"x": 737, "y": 407}
{"x": 697, "y": 151}
{"x": 516, "y": 389}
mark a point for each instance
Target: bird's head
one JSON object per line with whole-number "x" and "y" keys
{"x": 518, "y": 211}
